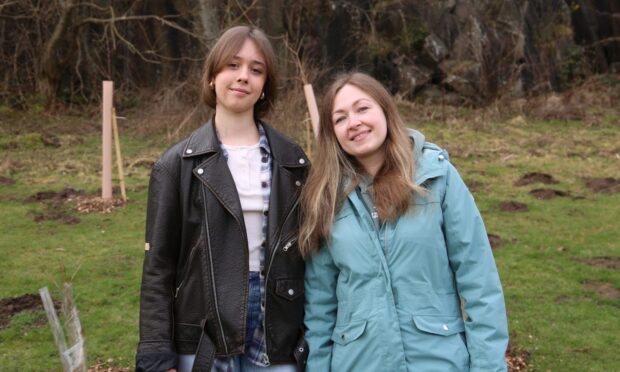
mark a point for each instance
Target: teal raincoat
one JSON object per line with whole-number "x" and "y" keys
{"x": 390, "y": 299}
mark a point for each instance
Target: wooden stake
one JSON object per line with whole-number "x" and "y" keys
{"x": 308, "y": 131}
{"x": 119, "y": 159}
{"x": 106, "y": 140}
{"x": 312, "y": 108}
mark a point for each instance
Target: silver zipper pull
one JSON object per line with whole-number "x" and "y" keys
{"x": 176, "y": 293}
{"x": 288, "y": 245}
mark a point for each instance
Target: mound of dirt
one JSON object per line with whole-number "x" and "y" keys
{"x": 546, "y": 194}
{"x": 50, "y": 140}
{"x": 64, "y": 194}
{"x": 495, "y": 241}
{"x": 6, "y": 181}
{"x": 14, "y": 305}
{"x": 513, "y": 206}
{"x": 604, "y": 262}
{"x": 604, "y": 185}
{"x": 534, "y": 177}
{"x": 603, "y": 289}
{"x": 474, "y": 186}
{"x": 56, "y": 215}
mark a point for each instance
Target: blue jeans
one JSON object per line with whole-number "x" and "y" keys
{"x": 240, "y": 363}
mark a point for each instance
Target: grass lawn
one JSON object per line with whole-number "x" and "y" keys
{"x": 558, "y": 260}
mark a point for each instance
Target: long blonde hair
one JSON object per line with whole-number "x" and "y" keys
{"x": 324, "y": 191}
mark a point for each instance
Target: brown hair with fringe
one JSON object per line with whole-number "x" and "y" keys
{"x": 324, "y": 191}
{"x": 228, "y": 44}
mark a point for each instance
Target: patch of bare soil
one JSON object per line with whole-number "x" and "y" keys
{"x": 59, "y": 205}
{"x": 495, "y": 241}
{"x": 517, "y": 360}
{"x": 141, "y": 162}
{"x": 474, "y": 186}
{"x": 604, "y": 262}
{"x": 513, "y": 206}
{"x": 56, "y": 215}
{"x": 55, "y": 206}
{"x": 14, "y": 305}
{"x": 604, "y": 185}
{"x": 8, "y": 165}
{"x": 534, "y": 177}
{"x": 50, "y": 140}
{"x": 546, "y": 194}
{"x": 64, "y": 194}
{"x": 603, "y": 289}
{"x": 6, "y": 181}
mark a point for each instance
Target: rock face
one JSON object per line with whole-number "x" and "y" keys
{"x": 476, "y": 49}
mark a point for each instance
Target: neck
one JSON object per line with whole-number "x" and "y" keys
{"x": 236, "y": 129}
{"x": 372, "y": 164}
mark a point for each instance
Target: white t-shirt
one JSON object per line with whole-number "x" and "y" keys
{"x": 244, "y": 163}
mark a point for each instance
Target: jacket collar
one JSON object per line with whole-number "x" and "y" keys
{"x": 284, "y": 152}
{"x": 204, "y": 140}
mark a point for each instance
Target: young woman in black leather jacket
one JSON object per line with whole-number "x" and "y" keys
{"x": 222, "y": 283}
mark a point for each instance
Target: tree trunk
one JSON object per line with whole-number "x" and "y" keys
{"x": 50, "y": 65}
{"x": 209, "y": 15}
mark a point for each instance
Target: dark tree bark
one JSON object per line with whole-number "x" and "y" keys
{"x": 52, "y": 56}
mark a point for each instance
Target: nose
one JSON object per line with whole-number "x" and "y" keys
{"x": 354, "y": 121}
{"x": 243, "y": 74}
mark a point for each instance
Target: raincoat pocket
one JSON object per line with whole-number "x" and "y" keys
{"x": 439, "y": 325}
{"x": 347, "y": 333}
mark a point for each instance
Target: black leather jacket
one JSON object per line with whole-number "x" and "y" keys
{"x": 195, "y": 275}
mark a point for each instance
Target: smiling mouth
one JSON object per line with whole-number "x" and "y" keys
{"x": 239, "y": 90}
{"x": 360, "y": 136}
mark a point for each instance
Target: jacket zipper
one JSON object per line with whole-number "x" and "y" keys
{"x": 289, "y": 244}
{"x": 187, "y": 270}
{"x": 275, "y": 249}
{"x": 273, "y": 255}
{"x": 217, "y": 310}
{"x": 385, "y": 240}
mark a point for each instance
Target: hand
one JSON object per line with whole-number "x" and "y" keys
{"x": 171, "y": 370}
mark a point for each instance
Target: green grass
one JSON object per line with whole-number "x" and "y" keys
{"x": 553, "y": 317}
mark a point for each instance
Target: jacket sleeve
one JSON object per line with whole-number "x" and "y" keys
{"x": 477, "y": 280}
{"x": 156, "y": 350}
{"x": 320, "y": 311}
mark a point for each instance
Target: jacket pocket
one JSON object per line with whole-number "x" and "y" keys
{"x": 289, "y": 289}
{"x": 439, "y": 325}
{"x": 347, "y": 333}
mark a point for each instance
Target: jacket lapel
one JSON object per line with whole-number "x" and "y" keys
{"x": 213, "y": 171}
{"x": 285, "y": 180}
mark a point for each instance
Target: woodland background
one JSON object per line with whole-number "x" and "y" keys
{"x": 458, "y": 51}
{"x": 522, "y": 93}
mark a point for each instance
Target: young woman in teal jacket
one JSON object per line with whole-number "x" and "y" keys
{"x": 399, "y": 274}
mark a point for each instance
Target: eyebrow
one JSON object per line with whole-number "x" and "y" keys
{"x": 354, "y": 103}
{"x": 253, "y": 61}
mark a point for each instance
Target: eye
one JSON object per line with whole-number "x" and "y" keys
{"x": 363, "y": 108}
{"x": 339, "y": 119}
{"x": 257, "y": 71}
{"x": 232, "y": 65}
